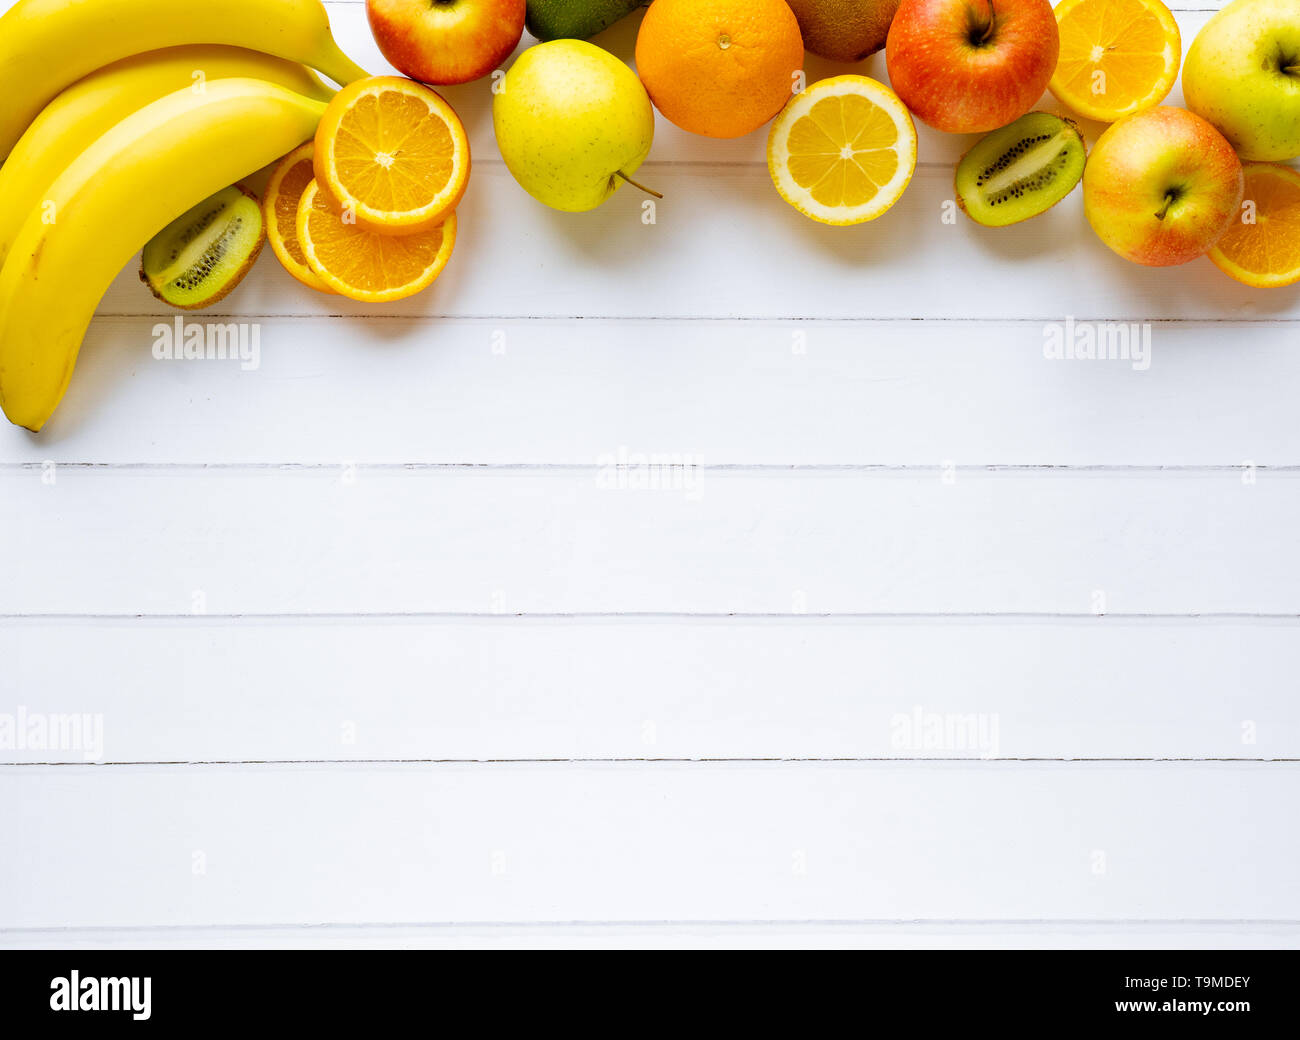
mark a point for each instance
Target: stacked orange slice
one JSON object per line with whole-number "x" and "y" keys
{"x": 375, "y": 220}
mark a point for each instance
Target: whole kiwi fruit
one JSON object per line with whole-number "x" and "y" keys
{"x": 205, "y": 252}
{"x": 1022, "y": 170}
{"x": 844, "y": 30}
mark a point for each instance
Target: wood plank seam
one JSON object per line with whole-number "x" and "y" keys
{"x": 1055, "y": 468}
{"x": 660, "y": 615}
{"x": 685, "y": 319}
{"x": 700, "y": 760}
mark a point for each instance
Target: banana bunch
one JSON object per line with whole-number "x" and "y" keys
{"x": 47, "y": 45}
{"x": 119, "y": 116}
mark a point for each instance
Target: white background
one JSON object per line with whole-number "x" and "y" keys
{"x": 446, "y": 688}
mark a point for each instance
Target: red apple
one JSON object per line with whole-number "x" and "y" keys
{"x": 1162, "y": 186}
{"x": 446, "y": 41}
{"x": 970, "y": 66}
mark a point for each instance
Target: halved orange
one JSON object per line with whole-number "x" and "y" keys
{"x": 362, "y": 265}
{"x": 842, "y": 150}
{"x": 1117, "y": 56}
{"x": 288, "y": 181}
{"x": 394, "y": 153}
{"x": 1262, "y": 247}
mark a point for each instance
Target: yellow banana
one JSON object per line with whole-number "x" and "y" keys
{"x": 92, "y": 106}
{"x": 47, "y": 45}
{"x": 117, "y": 194}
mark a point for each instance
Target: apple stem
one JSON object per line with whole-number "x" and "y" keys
{"x": 636, "y": 184}
{"x": 988, "y": 29}
{"x": 1169, "y": 201}
{"x": 1292, "y": 70}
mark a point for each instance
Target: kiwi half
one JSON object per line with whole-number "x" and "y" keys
{"x": 204, "y": 253}
{"x": 1022, "y": 170}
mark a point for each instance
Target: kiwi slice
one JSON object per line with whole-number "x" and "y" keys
{"x": 1022, "y": 170}
{"x": 201, "y": 255}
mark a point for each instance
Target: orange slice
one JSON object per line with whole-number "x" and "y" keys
{"x": 394, "y": 153}
{"x": 362, "y": 265}
{"x": 842, "y": 150}
{"x": 1117, "y": 56}
{"x": 1262, "y": 248}
{"x": 280, "y": 206}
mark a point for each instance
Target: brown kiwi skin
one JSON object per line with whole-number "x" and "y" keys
{"x": 957, "y": 194}
{"x": 232, "y": 284}
{"x": 826, "y": 31}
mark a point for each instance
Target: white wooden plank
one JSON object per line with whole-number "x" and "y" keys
{"x": 665, "y": 842}
{"x": 558, "y": 541}
{"x": 758, "y": 393}
{"x": 841, "y": 935}
{"x": 490, "y": 689}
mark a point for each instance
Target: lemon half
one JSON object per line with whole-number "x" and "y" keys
{"x": 843, "y": 150}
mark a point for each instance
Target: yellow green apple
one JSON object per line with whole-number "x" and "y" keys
{"x": 572, "y": 122}
{"x": 1161, "y": 186}
{"x": 1243, "y": 75}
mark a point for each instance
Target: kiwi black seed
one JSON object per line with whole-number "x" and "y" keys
{"x": 1022, "y": 170}
{"x": 205, "y": 252}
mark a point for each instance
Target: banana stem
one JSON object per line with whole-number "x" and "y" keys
{"x": 636, "y": 184}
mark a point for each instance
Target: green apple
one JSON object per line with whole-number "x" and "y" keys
{"x": 572, "y": 122}
{"x": 1243, "y": 75}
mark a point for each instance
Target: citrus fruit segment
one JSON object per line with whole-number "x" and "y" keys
{"x": 1262, "y": 247}
{"x": 394, "y": 153}
{"x": 362, "y": 265}
{"x": 288, "y": 180}
{"x": 1117, "y": 56}
{"x": 843, "y": 150}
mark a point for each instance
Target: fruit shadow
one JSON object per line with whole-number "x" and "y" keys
{"x": 270, "y": 293}
{"x": 619, "y": 39}
{"x": 1196, "y": 291}
{"x": 861, "y": 247}
{"x": 1033, "y": 239}
{"x": 472, "y": 102}
{"x": 603, "y": 237}
{"x": 1201, "y": 285}
{"x": 392, "y": 330}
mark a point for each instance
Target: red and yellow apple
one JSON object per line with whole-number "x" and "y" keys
{"x": 1162, "y": 186}
{"x": 970, "y": 66}
{"x": 446, "y": 41}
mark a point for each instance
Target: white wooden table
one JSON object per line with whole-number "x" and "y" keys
{"x": 387, "y": 652}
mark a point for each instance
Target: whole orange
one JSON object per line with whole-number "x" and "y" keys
{"x": 721, "y": 68}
